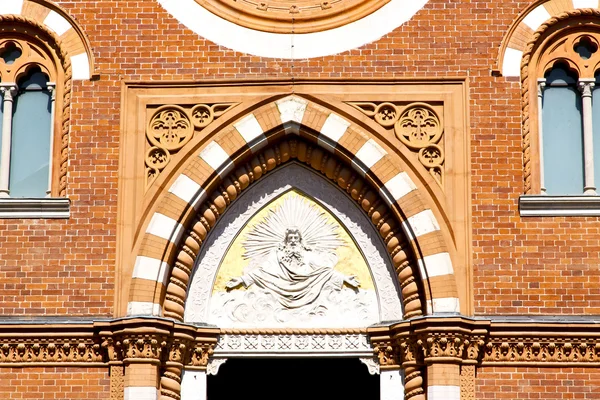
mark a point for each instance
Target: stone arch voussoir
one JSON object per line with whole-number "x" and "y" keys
{"x": 249, "y": 149}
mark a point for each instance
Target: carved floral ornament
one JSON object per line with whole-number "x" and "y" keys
{"x": 171, "y": 127}
{"x": 417, "y": 126}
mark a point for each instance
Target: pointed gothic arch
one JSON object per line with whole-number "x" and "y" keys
{"x": 244, "y": 150}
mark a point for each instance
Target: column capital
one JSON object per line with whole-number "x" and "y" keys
{"x": 585, "y": 87}
{"x": 9, "y": 90}
{"x": 541, "y": 85}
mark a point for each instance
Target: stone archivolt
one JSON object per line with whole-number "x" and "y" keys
{"x": 417, "y": 126}
{"x": 171, "y": 127}
{"x": 263, "y": 163}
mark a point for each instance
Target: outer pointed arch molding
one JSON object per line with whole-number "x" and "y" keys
{"x": 246, "y": 144}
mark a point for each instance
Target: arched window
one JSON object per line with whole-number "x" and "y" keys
{"x": 29, "y": 70}
{"x": 562, "y": 132}
{"x": 564, "y": 120}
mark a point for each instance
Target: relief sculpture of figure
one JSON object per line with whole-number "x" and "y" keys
{"x": 295, "y": 273}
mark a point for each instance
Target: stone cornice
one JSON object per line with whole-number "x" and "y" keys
{"x": 461, "y": 340}
{"x": 406, "y": 344}
{"x": 132, "y": 340}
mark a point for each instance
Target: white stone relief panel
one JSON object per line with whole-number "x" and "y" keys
{"x": 262, "y": 302}
{"x": 291, "y": 344}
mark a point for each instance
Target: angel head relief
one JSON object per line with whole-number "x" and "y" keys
{"x": 301, "y": 270}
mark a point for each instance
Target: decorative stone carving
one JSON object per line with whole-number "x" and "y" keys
{"x": 574, "y": 350}
{"x": 50, "y": 351}
{"x": 170, "y": 128}
{"x": 117, "y": 382}
{"x": 293, "y": 176}
{"x": 417, "y": 126}
{"x": 467, "y": 382}
{"x": 199, "y": 355}
{"x": 245, "y": 175}
{"x": 372, "y": 364}
{"x": 293, "y": 343}
{"x": 214, "y": 364}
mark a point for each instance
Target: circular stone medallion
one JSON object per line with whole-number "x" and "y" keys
{"x": 292, "y": 16}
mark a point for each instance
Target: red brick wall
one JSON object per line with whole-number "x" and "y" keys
{"x": 540, "y": 266}
{"x": 538, "y": 383}
{"x": 54, "y": 383}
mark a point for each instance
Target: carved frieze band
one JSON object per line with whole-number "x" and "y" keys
{"x": 294, "y": 343}
{"x": 479, "y": 342}
{"x": 417, "y": 126}
{"x": 171, "y": 127}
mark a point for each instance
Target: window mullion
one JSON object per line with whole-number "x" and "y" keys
{"x": 52, "y": 90}
{"x": 540, "y": 97}
{"x": 586, "y": 86}
{"x": 9, "y": 91}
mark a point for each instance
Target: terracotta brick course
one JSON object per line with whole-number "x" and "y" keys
{"x": 54, "y": 383}
{"x": 537, "y": 383}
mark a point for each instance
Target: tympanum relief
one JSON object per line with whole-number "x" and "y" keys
{"x": 293, "y": 265}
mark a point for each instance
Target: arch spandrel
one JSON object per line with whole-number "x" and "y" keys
{"x": 354, "y": 250}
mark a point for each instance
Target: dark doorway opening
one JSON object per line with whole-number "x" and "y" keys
{"x": 293, "y": 379}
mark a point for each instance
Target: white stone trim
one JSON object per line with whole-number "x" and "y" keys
{"x": 140, "y": 393}
{"x": 80, "y": 66}
{"x": 292, "y": 46}
{"x": 11, "y": 7}
{"x": 193, "y": 385}
{"x": 420, "y": 224}
{"x": 46, "y": 208}
{"x": 143, "y": 308}
{"x": 511, "y": 64}
{"x": 368, "y": 155}
{"x": 436, "y": 265}
{"x": 217, "y": 158}
{"x": 151, "y": 269}
{"x": 391, "y": 385}
{"x": 536, "y": 17}
{"x": 293, "y": 345}
{"x": 443, "y": 305}
{"x": 185, "y": 188}
{"x": 291, "y": 108}
{"x": 56, "y": 22}
{"x": 397, "y": 187}
{"x": 559, "y": 206}
{"x": 165, "y": 227}
{"x": 585, "y": 4}
{"x": 443, "y": 392}
{"x": 333, "y": 129}
{"x": 251, "y": 131}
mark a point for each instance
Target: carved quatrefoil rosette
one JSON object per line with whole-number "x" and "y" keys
{"x": 170, "y": 128}
{"x": 415, "y": 125}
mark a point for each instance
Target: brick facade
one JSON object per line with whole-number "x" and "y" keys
{"x": 504, "y": 264}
